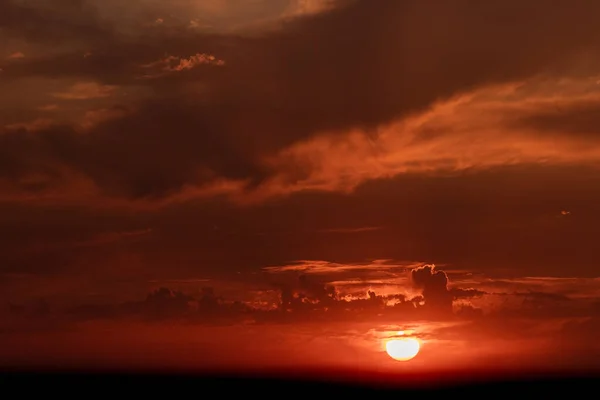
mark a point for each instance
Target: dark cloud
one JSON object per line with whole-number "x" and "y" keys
{"x": 459, "y": 293}
{"x": 302, "y": 297}
{"x": 36, "y": 309}
{"x": 535, "y": 297}
{"x": 578, "y": 119}
{"x": 309, "y": 298}
{"x": 322, "y": 72}
{"x": 482, "y": 222}
{"x": 307, "y": 293}
{"x": 434, "y": 284}
{"x": 165, "y": 304}
{"x": 534, "y": 304}
{"x": 54, "y": 22}
{"x": 148, "y": 164}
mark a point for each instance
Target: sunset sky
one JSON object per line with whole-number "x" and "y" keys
{"x": 289, "y": 171}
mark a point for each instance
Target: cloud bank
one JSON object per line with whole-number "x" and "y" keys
{"x": 315, "y": 104}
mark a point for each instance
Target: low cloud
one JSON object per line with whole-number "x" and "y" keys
{"x": 316, "y": 287}
{"x": 459, "y": 293}
{"x": 564, "y": 287}
{"x": 434, "y": 286}
{"x": 326, "y": 267}
{"x": 425, "y": 296}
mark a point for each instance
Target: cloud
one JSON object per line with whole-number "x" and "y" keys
{"x": 184, "y": 281}
{"x": 160, "y": 304}
{"x": 298, "y": 8}
{"x": 112, "y": 237}
{"x": 582, "y": 329}
{"x": 473, "y": 131}
{"x": 459, "y": 293}
{"x": 401, "y": 293}
{"x": 387, "y": 289}
{"x": 350, "y": 281}
{"x": 303, "y": 107}
{"x": 320, "y": 267}
{"x": 108, "y": 238}
{"x": 15, "y": 56}
{"x": 445, "y": 139}
{"x": 579, "y": 118}
{"x": 434, "y": 286}
{"x": 95, "y": 117}
{"x": 352, "y": 230}
{"x": 223, "y": 16}
{"x": 164, "y": 302}
{"x": 52, "y": 22}
{"x": 563, "y": 287}
{"x": 171, "y": 64}
{"x": 86, "y": 90}
{"x": 35, "y": 125}
{"x": 48, "y": 107}
{"x": 300, "y": 297}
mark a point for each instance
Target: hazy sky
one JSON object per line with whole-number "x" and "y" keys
{"x": 222, "y": 143}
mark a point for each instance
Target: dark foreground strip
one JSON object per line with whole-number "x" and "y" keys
{"x": 83, "y": 385}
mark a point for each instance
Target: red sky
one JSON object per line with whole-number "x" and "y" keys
{"x": 244, "y": 153}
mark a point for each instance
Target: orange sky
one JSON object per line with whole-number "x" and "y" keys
{"x": 276, "y": 162}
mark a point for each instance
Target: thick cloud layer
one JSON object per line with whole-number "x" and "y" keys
{"x": 361, "y": 65}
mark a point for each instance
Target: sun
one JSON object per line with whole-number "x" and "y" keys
{"x": 402, "y": 349}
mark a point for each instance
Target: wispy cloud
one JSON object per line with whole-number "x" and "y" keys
{"x": 98, "y": 240}
{"x": 171, "y": 64}
{"x": 324, "y": 118}
{"x": 474, "y": 130}
{"x": 86, "y": 90}
{"x": 112, "y": 237}
{"x": 34, "y": 125}
{"x": 326, "y": 267}
{"x": 309, "y": 7}
{"x": 15, "y": 56}
{"x": 583, "y": 288}
{"x": 352, "y": 230}
{"x": 48, "y": 107}
{"x": 178, "y": 281}
{"x": 94, "y": 117}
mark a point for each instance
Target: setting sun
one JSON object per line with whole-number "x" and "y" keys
{"x": 402, "y": 349}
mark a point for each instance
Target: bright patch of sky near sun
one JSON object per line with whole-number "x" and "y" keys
{"x": 354, "y": 345}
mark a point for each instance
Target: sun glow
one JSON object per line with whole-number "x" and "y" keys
{"x": 402, "y": 349}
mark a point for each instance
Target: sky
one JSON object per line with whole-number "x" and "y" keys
{"x": 245, "y": 184}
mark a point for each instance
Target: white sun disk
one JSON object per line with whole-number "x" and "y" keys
{"x": 402, "y": 349}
